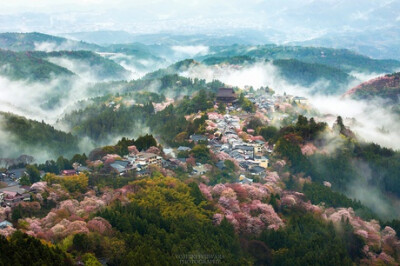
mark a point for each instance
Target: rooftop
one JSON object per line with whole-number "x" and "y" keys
{"x": 146, "y": 155}
{"x": 16, "y": 189}
{"x": 226, "y": 92}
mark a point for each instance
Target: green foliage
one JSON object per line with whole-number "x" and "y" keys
{"x": 384, "y": 164}
{"x": 255, "y": 123}
{"x": 171, "y": 84}
{"x": 90, "y": 260}
{"x": 246, "y": 104}
{"x": 21, "y": 249}
{"x": 100, "y": 121}
{"x": 306, "y": 74}
{"x": 229, "y": 165}
{"x": 142, "y": 143}
{"x": 168, "y": 124}
{"x": 292, "y": 152}
{"x": 234, "y": 60}
{"x": 306, "y": 240}
{"x": 105, "y": 68}
{"x": 74, "y": 183}
{"x": 223, "y": 176}
{"x": 145, "y": 97}
{"x": 395, "y": 224}
{"x": 33, "y": 173}
{"x": 24, "y": 181}
{"x": 336, "y": 168}
{"x": 32, "y": 134}
{"x": 17, "y": 213}
{"x": 108, "y": 180}
{"x": 163, "y": 222}
{"x": 304, "y": 128}
{"x": 200, "y": 102}
{"x": 50, "y": 166}
{"x": 353, "y": 162}
{"x": 28, "y": 41}
{"x": 221, "y": 108}
{"x": 79, "y": 158}
{"x": 63, "y": 163}
{"x": 201, "y": 153}
{"x": 268, "y": 132}
{"x": 25, "y": 66}
{"x": 171, "y": 124}
{"x": 81, "y": 242}
{"x": 342, "y": 59}
{"x": 145, "y": 142}
{"x": 318, "y": 193}
{"x": 196, "y": 194}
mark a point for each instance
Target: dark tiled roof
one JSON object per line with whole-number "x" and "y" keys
{"x": 195, "y": 137}
{"x": 226, "y": 92}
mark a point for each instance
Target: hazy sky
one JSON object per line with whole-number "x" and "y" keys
{"x": 311, "y": 17}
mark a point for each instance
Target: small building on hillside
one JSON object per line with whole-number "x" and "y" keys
{"x": 244, "y": 180}
{"x": 262, "y": 161}
{"x": 11, "y": 196}
{"x": 149, "y": 158}
{"x": 17, "y": 173}
{"x": 226, "y": 95}
{"x": 4, "y": 224}
{"x": 259, "y": 147}
{"x": 196, "y": 138}
{"x": 200, "y": 169}
{"x": 183, "y": 148}
{"x": 68, "y": 172}
{"x": 301, "y": 100}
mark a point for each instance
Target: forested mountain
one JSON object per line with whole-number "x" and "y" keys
{"x": 25, "y": 136}
{"x": 380, "y": 43}
{"x": 24, "y": 250}
{"x": 86, "y": 63}
{"x": 343, "y": 59}
{"x": 26, "y": 66}
{"x": 138, "y": 50}
{"x": 386, "y": 87}
{"x": 240, "y": 36}
{"x": 234, "y": 60}
{"x": 107, "y": 117}
{"x": 308, "y": 74}
{"x": 332, "y": 80}
{"x": 173, "y": 69}
{"x": 38, "y": 41}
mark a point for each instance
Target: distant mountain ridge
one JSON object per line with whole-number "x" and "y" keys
{"x": 28, "y": 135}
{"x": 103, "y": 68}
{"x": 343, "y": 59}
{"x": 25, "y": 66}
{"x": 292, "y": 70}
{"x": 382, "y": 43}
{"x": 38, "y": 41}
{"x": 40, "y": 66}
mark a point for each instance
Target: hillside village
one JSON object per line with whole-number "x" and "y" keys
{"x": 232, "y": 133}
{"x": 232, "y": 163}
{"x": 224, "y": 137}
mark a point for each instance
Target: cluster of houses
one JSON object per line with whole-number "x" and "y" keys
{"x": 267, "y": 103}
{"x": 139, "y": 163}
{"x": 249, "y": 155}
{"x": 13, "y": 195}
